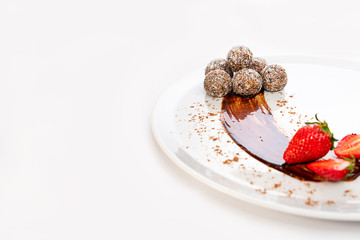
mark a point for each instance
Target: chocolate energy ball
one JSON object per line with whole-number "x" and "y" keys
{"x": 247, "y": 82}
{"x": 217, "y": 83}
{"x": 258, "y": 64}
{"x": 239, "y": 57}
{"x": 274, "y": 78}
{"x": 218, "y": 63}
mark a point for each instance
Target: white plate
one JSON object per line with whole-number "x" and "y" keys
{"x": 186, "y": 124}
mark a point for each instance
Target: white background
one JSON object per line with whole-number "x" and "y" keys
{"x": 78, "y": 81}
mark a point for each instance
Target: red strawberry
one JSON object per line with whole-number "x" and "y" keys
{"x": 310, "y": 143}
{"x": 333, "y": 169}
{"x": 349, "y": 145}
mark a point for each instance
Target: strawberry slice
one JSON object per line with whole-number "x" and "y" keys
{"x": 333, "y": 169}
{"x": 349, "y": 145}
{"x": 310, "y": 143}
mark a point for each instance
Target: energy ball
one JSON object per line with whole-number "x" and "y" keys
{"x": 258, "y": 64}
{"x": 239, "y": 57}
{"x": 217, "y": 83}
{"x": 247, "y": 82}
{"x": 274, "y": 78}
{"x": 218, "y": 63}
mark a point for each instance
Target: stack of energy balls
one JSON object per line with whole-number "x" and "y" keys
{"x": 242, "y": 74}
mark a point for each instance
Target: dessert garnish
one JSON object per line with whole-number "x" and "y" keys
{"x": 310, "y": 142}
{"x": 349, "y": 145}
{"x": 250, "y": 124}
{"x": 333, "y": 169}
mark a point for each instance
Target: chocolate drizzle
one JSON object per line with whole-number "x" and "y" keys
{"x": 251, "y": 125}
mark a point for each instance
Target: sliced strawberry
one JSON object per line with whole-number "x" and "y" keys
{"x": 333, "y": 169}
{"x": 349, "y": 145}
{"x": 309, "y": 143}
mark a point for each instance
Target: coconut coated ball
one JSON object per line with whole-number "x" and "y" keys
{"x": 274, "y": 78}
{"x": 218, "y": 63}
{"x": 239, "y": 57}
{"x": 217, "y": 83}
{"x": 247, "y": 82}
{"x": 258, "y": 64}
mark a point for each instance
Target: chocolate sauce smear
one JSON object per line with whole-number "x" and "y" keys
{"x": 251, "y": 125}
